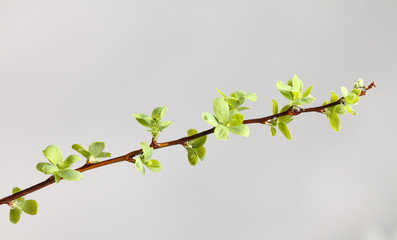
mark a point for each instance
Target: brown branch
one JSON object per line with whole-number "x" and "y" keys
{"x": 294, "y": 111}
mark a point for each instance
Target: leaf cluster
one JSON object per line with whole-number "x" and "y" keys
{"x": 20, "y": 205}
{"x": 144, "y": 159}
{"x": 154, "y": 123}
{"x": 280, "y": 122}
{"x": 293, "y": 92}
{"x": 227, "y": 116}
{"x": 58, "y": 167}
{"x": 195, "y": 148}
{"x": 95, "y": 151}
{"x": 349, "y": 99}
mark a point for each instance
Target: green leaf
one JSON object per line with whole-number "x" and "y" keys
{"x": 163, "y": 125}
{"x": 81, "y": 150}
{"x": 236, "y": 120}
{"x": 285, "y": 108}
{"x": 359, "y": 83}
{"x": 221, "y": 109}
{"x": 154, "y": 165}
{"x": 46, "y": 168}
{"x": 200, "y": 151}
{"x": 356, "y": 91}
{"x": 284, "y": 129}
{"x": 70, "y": 160}
{"x": 15, "y": 215}
{"x": 284, "y": 119}
{"x": 334, "y": 97}
{"x": 220, "y": 92}
{"x": 288, "y": 121}
{"x": 306, "y": 100}
{"x": 105, "y": 155}
{"x": 307, "y": 92}
{"x": 139, "y": 165}
{"x": 350, "y": 110}
{"x": 198, "y": 142}
{"x": 147, "y": 151}
{"x": 275, "y": 107}
{"x": 273, "y": 130}
{"x": 54, "y": 154}
{"x": 143, "y": 119}
{"x": 221, "y": 132}
{"x": 340, "y": 109}
{"x": 158, "y": 113}
{"x": 252, "y": 97}
{"x": 57, "y": 178}
{"x": 30, "y": 207}
{"x": 210, "y": 119}
{"x": 335, "y": 121}
{"x": 192, "y": 157}
{"x": 191, "y": 132}
{"x": 344, "y": 91}
{"x": 70, "y": 174}
{"x": 16, "y": 189}
{"x": 242, "y": 108}
{"x": 285, "y": 90}
{"x": 242, "y": 130}
{"x": 96, "y": 148}
{"x": 297, "y": 83}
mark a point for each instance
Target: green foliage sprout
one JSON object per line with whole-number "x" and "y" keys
{"x": 20, "y": 205}
{"x": 154, "y": 124}
{"x": 58, "y": 167}
{"x": 95, "y": 151}
{"x": 144, "y": 159}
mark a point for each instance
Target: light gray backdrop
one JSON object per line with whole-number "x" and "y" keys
{"x": 75, "y": 71}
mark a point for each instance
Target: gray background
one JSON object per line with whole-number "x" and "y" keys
{"x": 75, "y": 71}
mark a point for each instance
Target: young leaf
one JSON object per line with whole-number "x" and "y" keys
{"x": 242, "y": 130}
{"x": 251, "y": 97}
{"x": 335, "y": 121}
{"x": 105, "y": 155}
{"x": 70, "y": 160}
{"x": 192, "y": 157}
{"x": 70, "y": 174}
{"x": 198, "y": 142}
{"x": 275, "y": 107}
{"x": 46, "y": 168}
{"x": 143, "y": 119}
{"x": 154, "y": 165}
{"x": 221, "y": 108}
{"x": 273, "y": 130}
{"x": 81, "y": 150}
{"x": 210, "y": 119}
{"x": 307, "y": 92}
{"x": 344, "y": 91}
{"x": 30, "y": 207}
{"x": 306, "y": 100}
{"x": 221, "y": 132}
{"x": 297, "y": 84}
{"x": 284, "y": 129}
{"x": 147, "y": 151}
{"x": 201, "y": 152}
{"x": 285, "y": 90}
{"x": 158, "y": 113}
{"x": 96, "y": 148}
{"x": 236, "y": 120}
{"x": 15, "y": 215}
{"x": 220, "y": 92}
{"x": 54, "y": 154}
{"x": 163, "y": 125}
{"x": 139, "y": 165}
{"x": 16, "y": 190}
